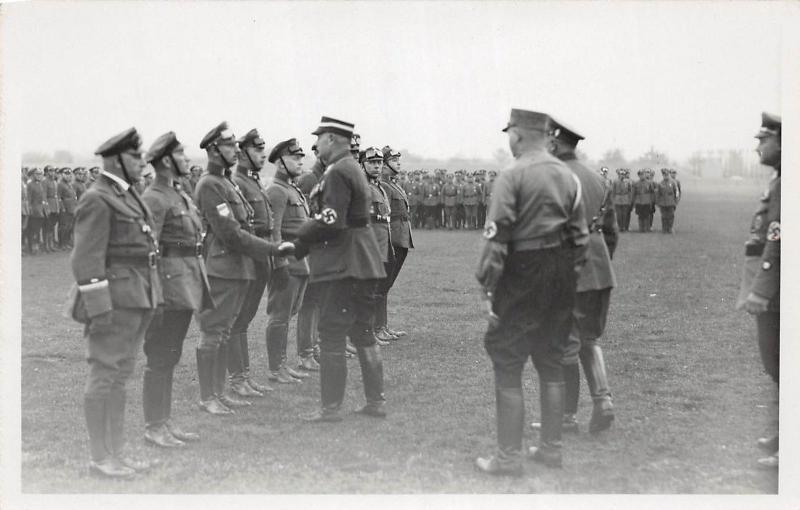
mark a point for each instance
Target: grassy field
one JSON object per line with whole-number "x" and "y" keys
{"x": 689, "y": 391}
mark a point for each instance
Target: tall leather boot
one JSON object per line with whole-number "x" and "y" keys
{"x": 510, "y": 421}
{"x": 237, "y": 366}
{"x": 103, "y": 463}
{"x": 372, "y": 375}
{"x": 552, "y": 402}
{"x": 205, "y": 376}
{"x": 332, "y": 380}
{"x": 156, "y": 432}
{"x": 595, "y": 369}
{"x": 572, "y": 388}
{"x": 115, "y": 421}
{"x": 173, "y": 429}
{"x": 220, "y": 368}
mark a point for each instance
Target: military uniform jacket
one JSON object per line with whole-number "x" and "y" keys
{"x": 430, "y": 193}
{"x": 67, "y": 198}
{"x": 229, "y": 245}
{"x": 536, "y": 204}
{"x": 623, "y": 192}
{"x": 289, "y": 212}
{"x": 307, "y": 181}
{"x": 51, "y": 195}
{"x": 180, "y": 231}
{"x": 597, "y": 272}
{"x": 470, "y": 193}
{"x": 379, "y": 215}
{"x": 417, "y": 194}
{"x": 666, "y": 193}
{"x": 36, "y": 199}
{"x": 400, "y": 210}
{"x": 340, "y": 239}
{"x": 763, "y": 249}
{"x": 487, "y": 192}
{"x": 114, "y": 260}
{"x": 79, "y": 188}
{"x": 450, "y": 194}
{"x": 643, "y": 192}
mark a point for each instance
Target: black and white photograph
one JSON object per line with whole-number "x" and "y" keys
{"x": 398, "y": 254}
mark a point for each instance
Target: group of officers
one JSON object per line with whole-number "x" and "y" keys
{"x": 326, "y": 245}
{"x": 145, "y": 264}
{"x": 643, "y": 196}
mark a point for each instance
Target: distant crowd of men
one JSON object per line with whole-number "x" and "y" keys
{"x": 643, "y": 196}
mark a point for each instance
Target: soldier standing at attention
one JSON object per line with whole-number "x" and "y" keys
{"x": 674, "y": 174}
{"x": 94, "y": 173}
{"x": 760, "y": 292}
{"x": 289, "y": 211}
{"x": 666, "y": 199}
{"x": 622, "y": 199}
{"x": 114, "y": 263}
{"x": 379, "y": 214}
{"x": 595, "y": 281}
{"x": 67, "y": 201}
{"x": 231, "y": 249}
{"x": 78, "y": 181}
{"x": 251, "y": 156}
{"x": 50, "y": 185}
{"x": 450, "y": 194}
{"x": 401, "y": 239}
{"x": 346, "y": 260}
{"x": 536, "y": 238}
{"x": 469, "y": 194}
{"x": 184, "y": 281}
{"x": 37, "y": 209}
{"x": 641, "y": 200}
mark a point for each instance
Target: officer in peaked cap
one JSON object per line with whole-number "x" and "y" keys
{"x": 114, "y": 263}
{"x": 666, "y": 200}
{"x": 67, "y": 201}
{"x": 355, "y": 145}
{"x": 179, "y": 230}
{"x": 232, "y": 247}
{"x": 290, "y": 211}
{"x": 345, "y": 258}
{"x": 527, "y": 269}
{"x": 252, "y": 157}
{"x": 401, "y": 238}
{"x": 761, "y": 282}
{"x": 595, "y": 281}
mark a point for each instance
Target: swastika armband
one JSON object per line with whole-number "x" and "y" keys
{"x": 328, "y": 216}
{"x": 497, "y": 233}
{"x": 774, "y": 231}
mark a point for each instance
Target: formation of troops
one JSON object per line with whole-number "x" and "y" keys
{"x": 326, "y": 245}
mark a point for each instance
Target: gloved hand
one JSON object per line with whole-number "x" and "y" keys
{"x": 285, "y": 248}
{"x": 300, "y": 249}
{"x": 280, "y": 278}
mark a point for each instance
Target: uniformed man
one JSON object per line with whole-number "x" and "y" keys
{"x": 50, "y": 186}
{"x": 67, "y": 201}
{"x": 642, "y": 200}
{"x": 674, "y": 175}
{"x": 380, "y": 219}
{"x": 37, "y": 210}
{"x": 760, "y": 292}
{"x": 666, "y": 200}
{"x": 79, "y": 181}
{"x": 184, "y": 282}
{"x": 114, "y": 263}
{"x": 595, "y": 281}
{"x": 290, "y": 212}
{"x": 469, "y": 193}
{"x": 623, "y": 192}
{"x": 196, "y": 171}
{"x": 345, "y": 258}
{"x": 415, "y": 202}
{"x": 450, "y": 198}
{"x": 231, "y": 248}
{"x": 94, "y": 173}
{"x": 308, "y": 316}
{"x": 25, "y": 212}
{"x": 401, "y": 238}
{"x": 528, "y": 273}
{"x": 430, "y": 200}
{"x": 252, "y": 156}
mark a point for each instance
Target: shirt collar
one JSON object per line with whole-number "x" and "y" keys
{"x": 122, "y": 184}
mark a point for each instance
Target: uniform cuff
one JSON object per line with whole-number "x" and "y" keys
{"x": 96, "y": 297}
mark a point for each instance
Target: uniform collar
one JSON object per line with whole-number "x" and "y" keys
{"x": 121, "y": 182}
{"x": 215, "y": 168}
{"x": 567, "y": 156}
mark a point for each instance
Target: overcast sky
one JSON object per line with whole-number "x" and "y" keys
{"x": 437, "y": 79}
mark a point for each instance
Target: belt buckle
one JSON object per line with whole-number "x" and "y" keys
{"x": 198, "y": 249}
{"x": 152, "y": 258}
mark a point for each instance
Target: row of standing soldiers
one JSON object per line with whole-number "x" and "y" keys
{"x": 643, "y": 196}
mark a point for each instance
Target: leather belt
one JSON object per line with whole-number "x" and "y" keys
{"x": 538, "y": 243}
{"x": 357, "y": 222}
{"x": 181, "y": 250}
{"x": 753, "y": 250}
{"x": 379, "y": 219}
{"x": 148, "y": 260}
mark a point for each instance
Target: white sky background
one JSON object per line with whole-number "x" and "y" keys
{"x": 437, "y": 79}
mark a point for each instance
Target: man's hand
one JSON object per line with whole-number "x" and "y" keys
{"x": 285, "y": 249}
{"x": 300, "y": 250}
{"x": 280, "y": 278}
{"x": 756, "y": 304}
{"x": 494, "y": 319}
